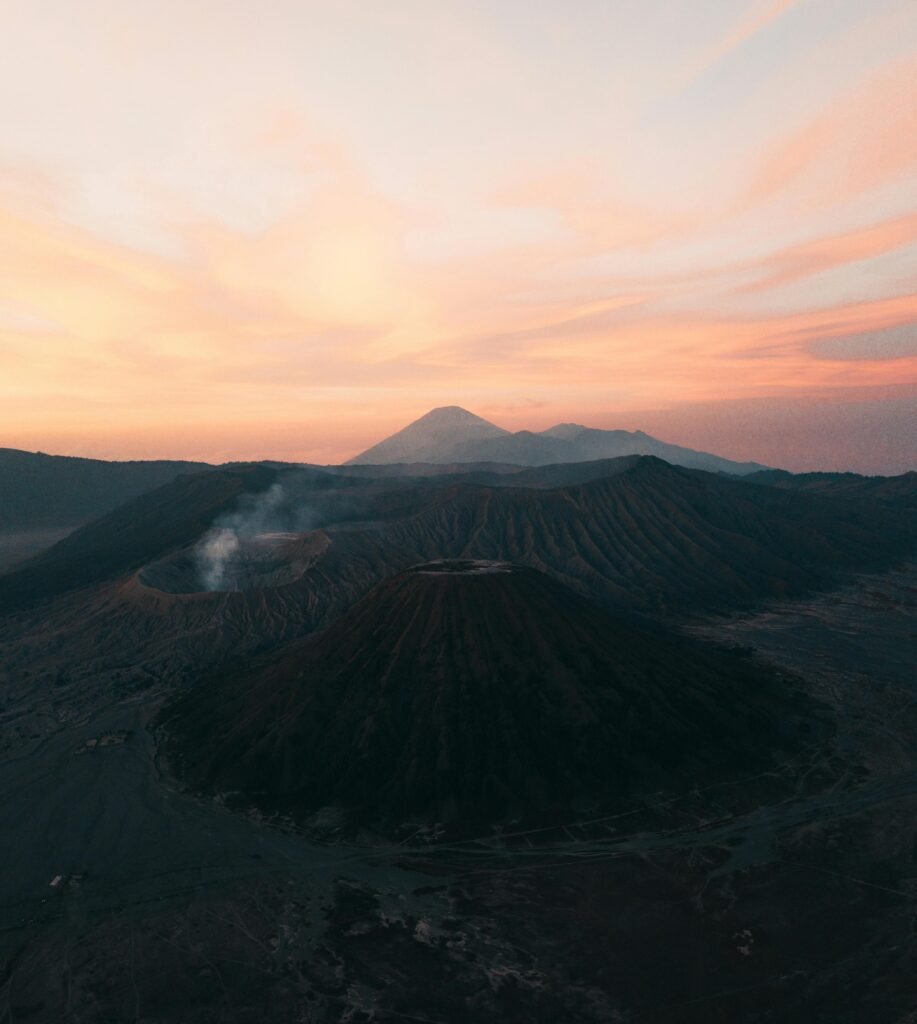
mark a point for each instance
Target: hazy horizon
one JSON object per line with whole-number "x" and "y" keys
{"x": 701, "y": 427}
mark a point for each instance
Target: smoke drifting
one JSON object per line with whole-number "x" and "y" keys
{"x": 216, "y": 550}
{"x": 224, "y": 553}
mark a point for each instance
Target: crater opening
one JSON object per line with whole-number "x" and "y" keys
{"x": 262, "y": 562}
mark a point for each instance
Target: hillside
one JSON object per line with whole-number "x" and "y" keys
{"x": 468, "y": 691}
{"x": 658, "y": 537}
{"x": 167, "y": 518}
{"x": 651, "y": 540}
{"x": 895, "y": 491}
{"x": 645, "y": 536}
{"x": 38, "y": 490}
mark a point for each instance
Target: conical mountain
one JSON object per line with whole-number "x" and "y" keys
{"x": 426, "y": 439}
{"x": 476, "y": 691}
{"x": 454, "y": 435}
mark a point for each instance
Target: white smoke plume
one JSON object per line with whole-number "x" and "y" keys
{"x": 225, "y": 558}
{"x": 220, "y": 548}
{"x": 213, "y": 556}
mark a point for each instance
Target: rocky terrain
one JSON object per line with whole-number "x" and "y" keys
{"x": 766, "y": 876}
{"x": 130, "y": 603}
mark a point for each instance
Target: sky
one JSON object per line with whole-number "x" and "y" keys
{"x": 234, "y": 230}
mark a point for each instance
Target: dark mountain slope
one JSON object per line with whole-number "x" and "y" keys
{"x": 653, "y": 540}
{"x": 168, "y": 518}
{"x": 38, "y": 490}
{"x": 422, "y": 469}
{"x": 658, "y": 537}
{"x": 494, "y": 474}
{"x": 895, "y": 491}
{"x": 94, "y": 646}
{"x": 650, "y": 537}
{"x": 170, "y": 522}
{"x": 566, "y": 474}
{"x": 467, "y": 691}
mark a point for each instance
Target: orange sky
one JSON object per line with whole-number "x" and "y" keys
{"x": 234, "y": 230}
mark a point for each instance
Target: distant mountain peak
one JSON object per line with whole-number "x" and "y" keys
{"x": 452, "y": 414}
{"x": 451, "y": 434}
{"x": 426, "y": 438}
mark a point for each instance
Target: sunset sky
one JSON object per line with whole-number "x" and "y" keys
{"x": 283, "y": 229}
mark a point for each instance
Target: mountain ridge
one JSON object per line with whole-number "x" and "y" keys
{"x": 37, "y": 489}
{"x": 634, "y": 531}
{"x": 897, "y": 491}
{"x": 451, "y": 434}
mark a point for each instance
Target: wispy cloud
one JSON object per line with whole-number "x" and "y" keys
{"x": 214, "y": 245}
{"x": 758, "y": 16}
{"x": 865, "y": 138}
